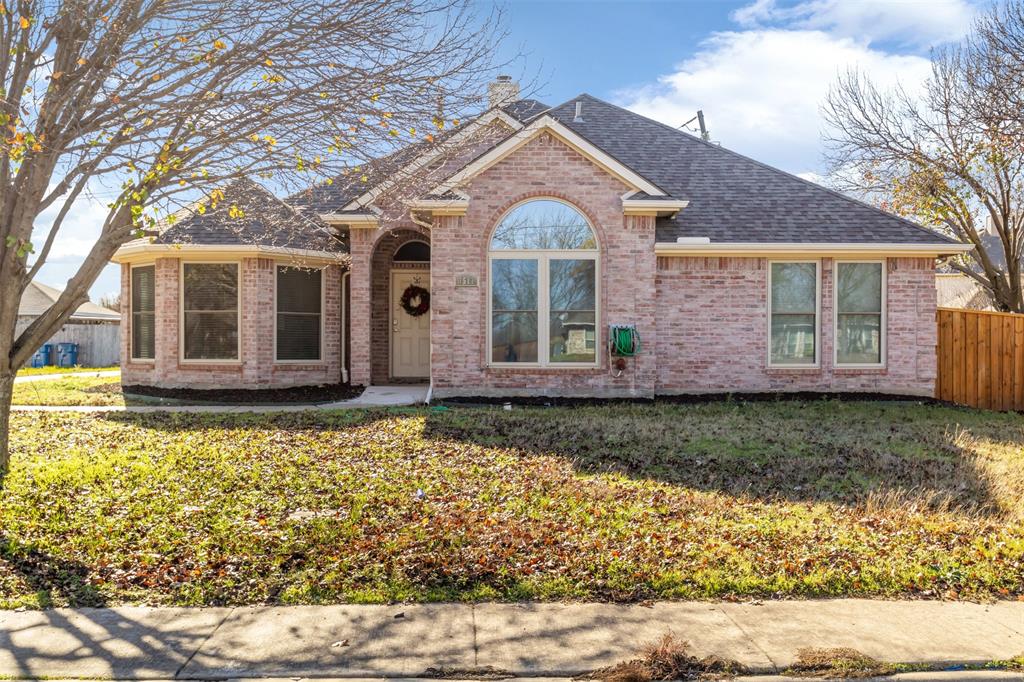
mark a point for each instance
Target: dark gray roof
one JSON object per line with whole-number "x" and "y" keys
{"x": 525, "y": 109}
{"x": 732, "y": 198}
{"x": 266, "y": 221}
{"x": 330, "y": 198}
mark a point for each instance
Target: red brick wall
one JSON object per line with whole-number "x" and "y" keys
{"x": 712, "y": 330}
{"x": 542, "y": 167}
{"x": 256, "y": 368}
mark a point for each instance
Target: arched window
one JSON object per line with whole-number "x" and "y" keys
{"x": 543, "y": 287}
{"x": 412, "y": 252}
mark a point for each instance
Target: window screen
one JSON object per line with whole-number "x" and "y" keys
{"x": 794, "y": 304}
{"x": 143, "y": 312}
{"x": 859, "y": 313}
{"x": 210, "y": 311}
{"x": 298, "y": 313}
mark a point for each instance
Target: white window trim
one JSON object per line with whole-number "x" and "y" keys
{"x": 131, "y": 315}
{"x": 323, "y": 307}
{"x": 817, "y": 316}
{"x": 883, "y": 322}
{"x": 237, "y": 360}
{"x": 543, "y": 258}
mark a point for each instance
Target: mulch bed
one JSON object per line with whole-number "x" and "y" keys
{"x": 266, "y": 396}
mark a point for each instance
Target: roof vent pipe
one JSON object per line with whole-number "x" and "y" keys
{"x": 578, "y": 118}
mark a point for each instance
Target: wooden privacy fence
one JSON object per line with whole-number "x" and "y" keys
{"x": 981, "y": 359}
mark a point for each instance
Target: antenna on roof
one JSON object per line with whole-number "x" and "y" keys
{"x": 699, "y": 118}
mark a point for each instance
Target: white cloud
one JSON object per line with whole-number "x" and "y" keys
{"x": 761, "y": 90}
{"x": 78, "y": 233}
{"x": 909, "y": 22}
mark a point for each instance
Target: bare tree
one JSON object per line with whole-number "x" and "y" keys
{"x": 951, "y": 156}
{"x": 160, "y": 103}
{"x": 111, "y": 301}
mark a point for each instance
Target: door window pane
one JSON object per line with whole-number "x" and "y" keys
{"x": 298, "y": 313}
{"x": 210, "y": 311}
{"x": 794, "y": 298}
{"x": 514, "y": 310}
{"x": 143, "y": 285}
{"x": 859, "y": 313}
{"x": 573, "y": 333}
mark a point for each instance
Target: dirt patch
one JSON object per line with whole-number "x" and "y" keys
{"x": 486, "y": 672}
{"x": 113, "y": 388}
{"x": 668, "y": 658}
{"x": 695, "y": 399}
{"x": 837, "y": 663}
{"x": 263, "y": 396}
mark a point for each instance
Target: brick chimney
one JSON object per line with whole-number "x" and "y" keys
{"x": 502, "y": 91}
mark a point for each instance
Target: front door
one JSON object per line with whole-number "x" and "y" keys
{"x": 410, "y": 334}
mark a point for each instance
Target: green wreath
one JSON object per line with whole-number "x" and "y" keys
{"x": 415, "y": 292}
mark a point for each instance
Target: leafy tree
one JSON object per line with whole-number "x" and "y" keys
{"x": 950, "y": 156}
{"x": 158, "y": 103}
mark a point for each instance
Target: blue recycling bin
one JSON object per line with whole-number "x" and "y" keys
{"x": 67, "y": 354}
{"x": 43, "y": 356}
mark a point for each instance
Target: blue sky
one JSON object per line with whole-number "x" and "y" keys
{"x": 758, "y": 69}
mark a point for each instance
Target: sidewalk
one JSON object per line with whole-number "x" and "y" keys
{"x": 535, "y": 640}
{"x": 373, "y": 396}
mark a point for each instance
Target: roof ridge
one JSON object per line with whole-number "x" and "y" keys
{"x": 779, "y": 171}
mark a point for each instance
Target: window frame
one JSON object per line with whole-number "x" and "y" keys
{"x": 323, "y": 308}
{"x": 237, "y": 360}
{"x": 131, "y": 313}
{"x": 543, "y": 258}
{"x": 883, "y": 314}
{"x": 817, "y": 315}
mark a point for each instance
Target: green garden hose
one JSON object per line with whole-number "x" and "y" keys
{"x": 625, "y": 341}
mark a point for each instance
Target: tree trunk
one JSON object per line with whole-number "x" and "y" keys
{"x": 6, "y": 391}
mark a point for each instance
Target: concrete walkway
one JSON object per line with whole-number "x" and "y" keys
{"x": 65, "y": 375}
{"x": 373, "y": 396}
{"x": 535, "y": 640}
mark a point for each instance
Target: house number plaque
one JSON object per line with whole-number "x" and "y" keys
{"x": 465, "y": 280}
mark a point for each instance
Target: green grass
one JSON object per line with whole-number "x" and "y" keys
{"x": 84, "y": 390}
{"x": 53, "y": 369}
{"x": 612, "y": 502}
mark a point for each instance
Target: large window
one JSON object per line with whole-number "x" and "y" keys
{"x": 793, "y": 313}
{"x": 299, "y": 313}
{"x": 209, "y": 299}
{"x": 143, "y": 320}
{"x": 543, "y": 265}
{"x": 860, "y": 313}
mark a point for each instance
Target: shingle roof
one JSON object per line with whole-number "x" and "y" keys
{"x": 330, "y": 198}
{"x": 266, "y": 221}
{"x": 732, "y": 198}
{"x": 38, "y": 297}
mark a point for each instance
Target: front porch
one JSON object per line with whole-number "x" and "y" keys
{"x": 388, "y": 344}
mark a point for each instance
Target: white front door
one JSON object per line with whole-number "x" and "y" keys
{"x": 410, "y": 336}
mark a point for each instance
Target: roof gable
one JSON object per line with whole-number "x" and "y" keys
{"x": 546, "y": 123}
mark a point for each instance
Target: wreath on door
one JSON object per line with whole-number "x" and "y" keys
{"x": 418, "y": 294}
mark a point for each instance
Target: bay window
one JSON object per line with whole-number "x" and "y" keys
{"x": 543, "y": 287}
{"x": 860, "y": 313}
{"x": 299, "y": 314}
{"x": 143, "y": 312}
{"x": 793, "y": 313}
{"x": 209, "y": 300}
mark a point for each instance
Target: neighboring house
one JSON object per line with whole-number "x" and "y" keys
{"x": 96, "y": 330}
{"x": 562, "y": 222}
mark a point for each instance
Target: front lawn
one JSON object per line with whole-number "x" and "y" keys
{"x": 53, "y": 369}
{"x": 84, "y": 390}
{"x": 613, "y": 502}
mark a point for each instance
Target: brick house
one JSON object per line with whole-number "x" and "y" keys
{"x": 578, "y": 250}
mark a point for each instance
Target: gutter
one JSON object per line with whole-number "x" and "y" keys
{"x": 697, "y": 246}
{"x": 135, "y": 252}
